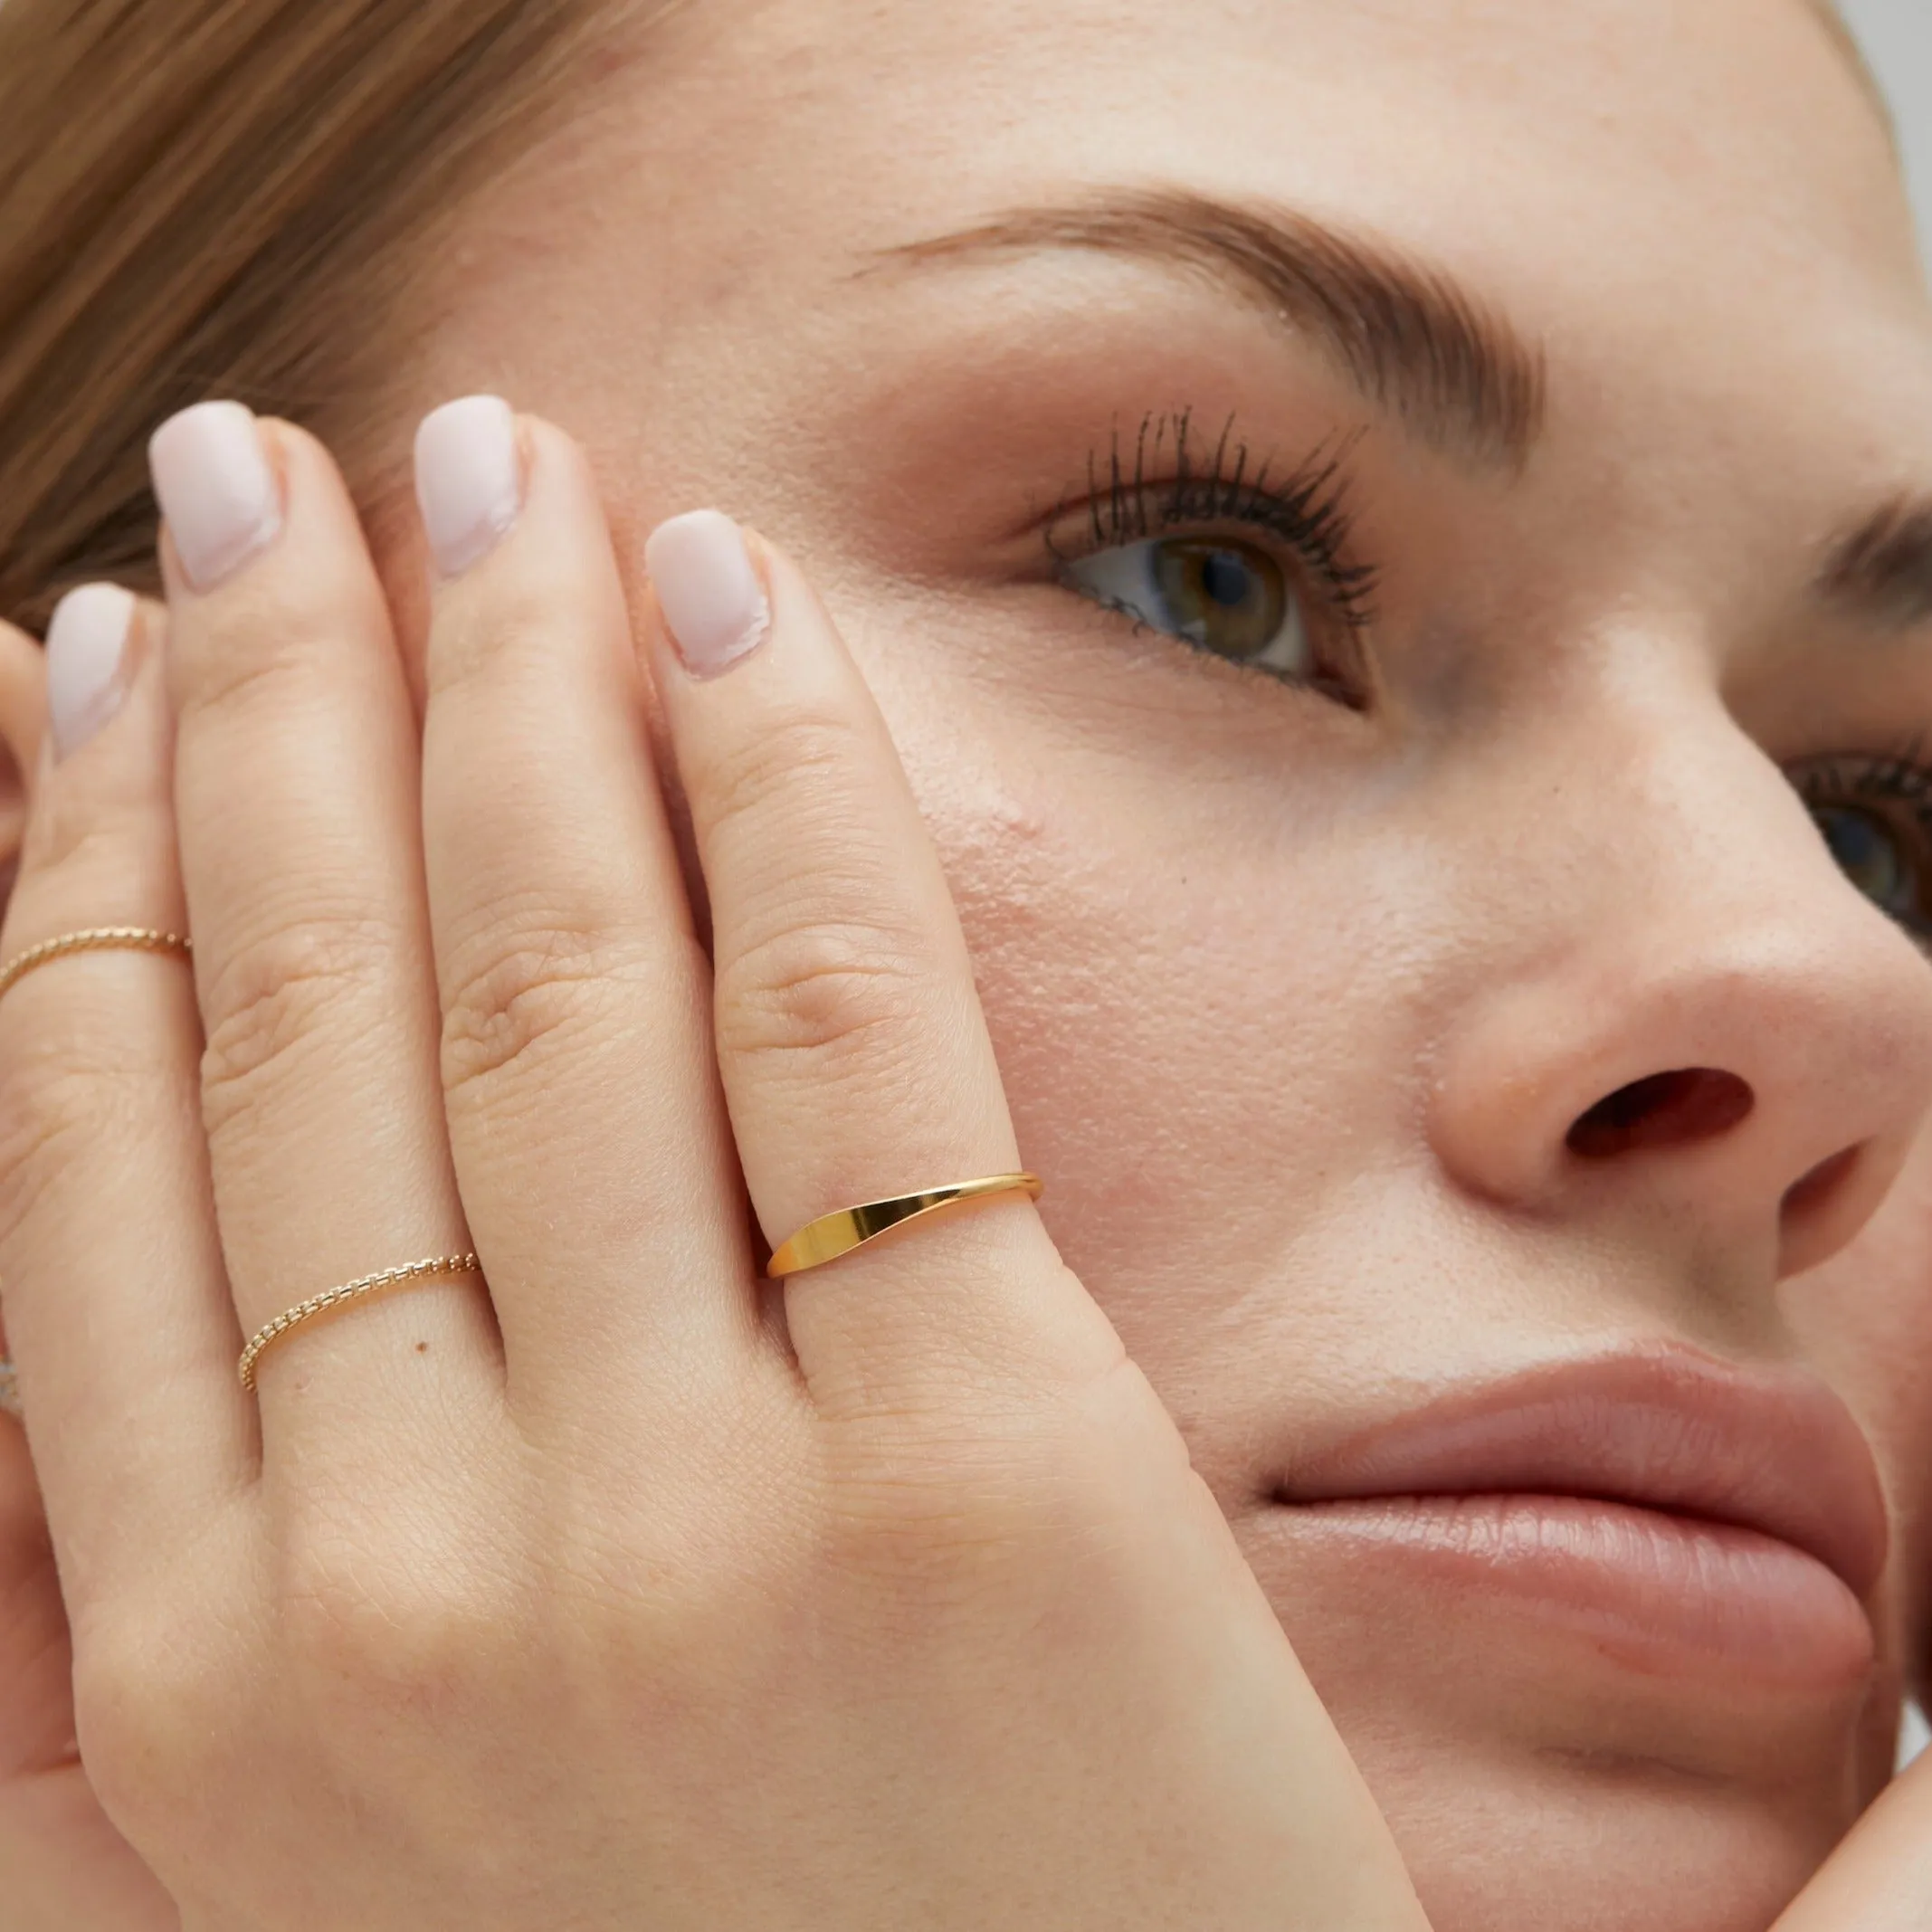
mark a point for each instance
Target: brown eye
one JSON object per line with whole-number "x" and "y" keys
{"x": 1218, "y": 594}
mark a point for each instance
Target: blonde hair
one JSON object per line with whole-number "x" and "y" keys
{"x": 213, "y": 198}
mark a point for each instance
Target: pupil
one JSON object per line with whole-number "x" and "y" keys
{"x": 1869, "y": 853}
{"x": 1226, "y": 579}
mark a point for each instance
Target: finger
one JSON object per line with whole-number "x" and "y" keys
{"x": 297, "y": 793}
{"x": 577, "y": 1053}
{"x": 36, "y": 1694}
{"x": 116, "y": 1305}
{"x": 1879, "y": 1880}
{"x": 854, "y": 1051}
{"x": 22, "y": 704}
{"x": 66, "y": 1866}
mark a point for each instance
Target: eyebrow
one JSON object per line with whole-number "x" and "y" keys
{"x": 1414, "y": 342}
{"x": 1881, "y": 571}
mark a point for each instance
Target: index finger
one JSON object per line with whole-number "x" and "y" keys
{"x": 854, "y": 1055}
{"x": 1879, "y": 1880}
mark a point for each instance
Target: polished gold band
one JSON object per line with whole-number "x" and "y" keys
{"x": 832, "y": 1235}
{"x": 334, "y": 1298}
{"x": 103, "y": 939}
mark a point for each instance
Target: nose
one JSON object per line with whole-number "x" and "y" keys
{"x": 1703, "y": 1026}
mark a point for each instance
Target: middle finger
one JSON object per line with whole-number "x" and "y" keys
{"x": 576, "y": 1039}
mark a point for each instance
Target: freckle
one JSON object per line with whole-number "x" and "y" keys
{"x": 422, "y": 1347}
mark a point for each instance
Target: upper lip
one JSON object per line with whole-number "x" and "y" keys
{"x": 1671, "y": 1431}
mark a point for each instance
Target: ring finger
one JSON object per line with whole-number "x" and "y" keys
{"x": 297, "y": 795}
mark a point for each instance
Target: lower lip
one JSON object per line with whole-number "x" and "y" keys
{"x": 1658, "y": 1593}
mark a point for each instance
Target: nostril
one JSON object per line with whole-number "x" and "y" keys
{"x": 1665, "y": 1110}
{"x": 1810, "y": 1194}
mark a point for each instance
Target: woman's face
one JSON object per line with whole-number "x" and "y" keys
{"x": 1384, "y": 532}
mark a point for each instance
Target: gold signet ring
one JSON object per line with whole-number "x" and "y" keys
{"x": 832, "y": 1235}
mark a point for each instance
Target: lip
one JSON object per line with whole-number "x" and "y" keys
{"x": 1671, "y": 1432}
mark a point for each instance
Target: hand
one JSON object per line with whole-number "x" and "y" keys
{"x": 616, "y": 1591}
{"x": 1880, "y": 1879}
{"x": 62, "y": 1866}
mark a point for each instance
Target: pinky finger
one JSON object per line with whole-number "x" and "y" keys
{"x": 22, "y": 709}
{"x": 22, "y": 713}
{"x": 114, "y": 1291}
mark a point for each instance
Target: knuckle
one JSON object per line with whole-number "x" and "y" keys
{"x": 524, "y": 997}
{"x": 821, "y": 990}
{"x": 269, "y": 647}
{"x": 63, "y": 1097}
{"x": 820, "y": 959}
{"x": 285, "y": 993}
{"x": 953, "y": 1520}
{"x": 359, "y": 1621}
{"x": 474, "y": 646}
{"x": 995, "y": 1475}
{"x": 141, "y": 1702}
{"x": 222, "y": 681}
{"x": 84, "y": 837}
{"x": 774, "y": 773}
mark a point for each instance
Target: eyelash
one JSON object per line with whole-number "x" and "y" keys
{"x": 1895, "y": 779}
{"x": 1899, "y": 776}
{"x": 1161, "y": 486}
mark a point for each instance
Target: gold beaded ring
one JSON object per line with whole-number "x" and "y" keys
{"x": 335, "y": 1298}
{"x": 102, "y": 939}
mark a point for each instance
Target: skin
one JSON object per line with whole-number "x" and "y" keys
{"x": 1342, "y": 983}
{"x": 1597, "y": 667}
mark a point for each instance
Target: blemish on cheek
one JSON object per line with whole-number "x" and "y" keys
{"x": 422, "y": 1347}
{"x": 1009, "y": 822}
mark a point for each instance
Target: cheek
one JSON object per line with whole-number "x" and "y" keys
{"x": 1202, "y": 1032}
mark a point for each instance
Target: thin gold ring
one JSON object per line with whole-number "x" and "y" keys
{"x": 335, "y": 1298}
{"x": 102, "y": 940}
{"x": 832, "y": 1235}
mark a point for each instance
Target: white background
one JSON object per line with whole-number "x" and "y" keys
{"x": 1897, "y": 34}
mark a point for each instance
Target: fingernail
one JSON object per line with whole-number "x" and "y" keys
{"x": 714, "y": 606}
{"x": 86, "y": 662}
{"x": 469, "y": 480}
{"x": 217, "y": 489}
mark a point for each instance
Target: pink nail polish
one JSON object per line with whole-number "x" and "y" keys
{"x": 713, "y": 601}
{"x": 86, "y": 662}
{"x": 217, "y": 489}
{"x": 469, "y": 480}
